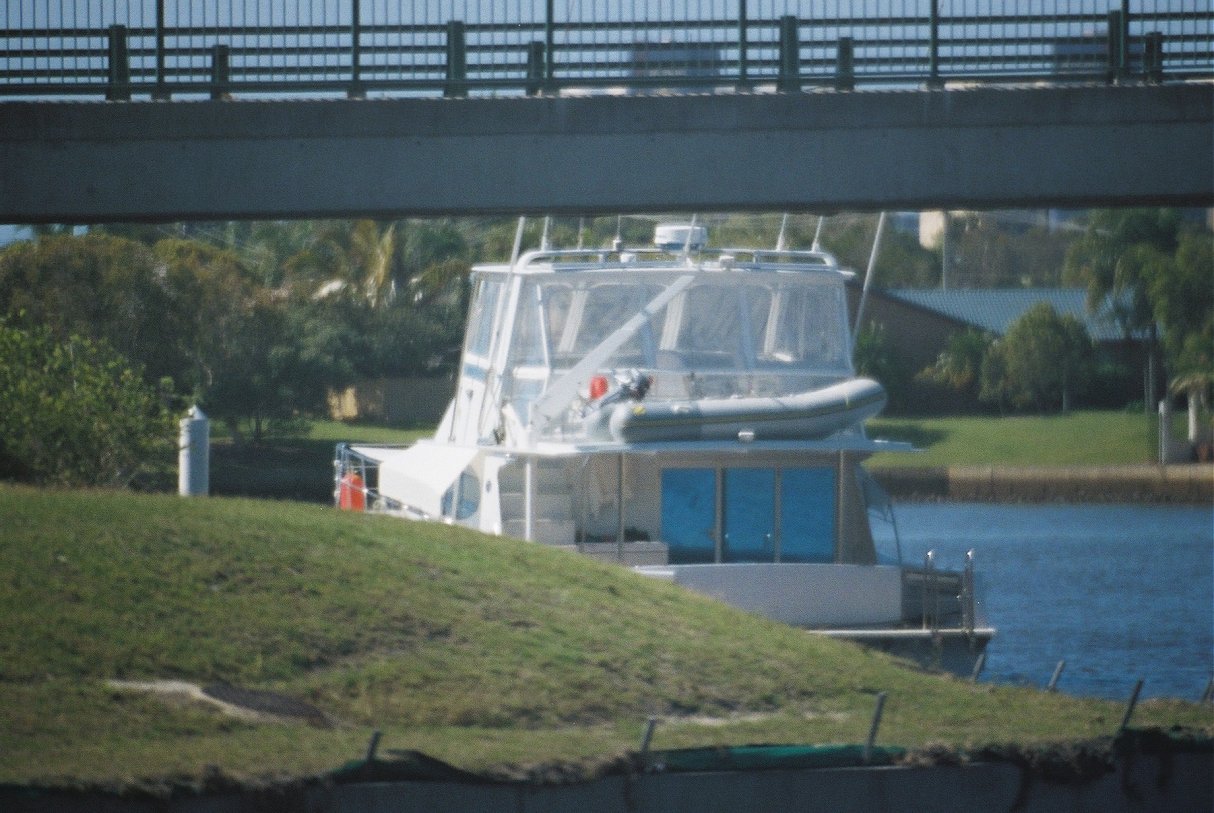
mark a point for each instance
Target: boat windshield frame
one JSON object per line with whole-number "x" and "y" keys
{"x": 540, "y": 350}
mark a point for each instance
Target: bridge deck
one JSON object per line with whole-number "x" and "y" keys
{"x": 979, "y": 148}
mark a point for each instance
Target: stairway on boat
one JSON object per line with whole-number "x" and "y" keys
{"x": 553, "y": 520}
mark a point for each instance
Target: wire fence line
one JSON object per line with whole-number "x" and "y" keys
{"x": 167, "y": 48}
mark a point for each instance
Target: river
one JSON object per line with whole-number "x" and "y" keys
{"x": 1121, "y": 592}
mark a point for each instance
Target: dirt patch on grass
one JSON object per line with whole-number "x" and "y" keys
{"x": 247, "y": 704}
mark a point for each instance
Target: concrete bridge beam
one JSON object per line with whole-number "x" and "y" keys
{"x": 915, "y": 149}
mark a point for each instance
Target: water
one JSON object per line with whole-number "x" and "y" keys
{"x": 1119, "y": 592}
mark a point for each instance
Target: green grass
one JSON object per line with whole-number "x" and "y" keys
{"x": 1076, "y": 439}
{"x": 483, "y": 652}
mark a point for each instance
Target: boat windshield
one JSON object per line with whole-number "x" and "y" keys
{"x": 726, "y": 334}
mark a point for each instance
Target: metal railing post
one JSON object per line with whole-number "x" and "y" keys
{"x": 1152, "y": 57}
{"x": 929, "y": 584}
{"x": 1117, "y": 46}
{"x": 356, "y": 90}
{"x": 535, "y": 68}
{"x": 118, "y": 70}
{"x": 221, "y": 72}
{"x": 933, "y": 47}
{"x": 549, "y": 44}
{"x": 1124, "y": 59}
{"x": 161, "y": 93}
{"x": 457, "y": 60}
{"x": 968, "y": 609}
{"x": 845, "y": 71}
{"x": 790, "y": 56}
{"x": 743, "y": 42}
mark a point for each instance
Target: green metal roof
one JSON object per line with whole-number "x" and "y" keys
{"x": 995, "y": 310}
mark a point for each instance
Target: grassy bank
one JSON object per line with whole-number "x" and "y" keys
{"x": 1075, "y": 439}
{"x": 483, "y": 652}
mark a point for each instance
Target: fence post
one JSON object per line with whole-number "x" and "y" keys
{"x": 356, "y": 90}
{"x": 845, "y": 71}
{"x": 221, "y": 75}
{"x": 457, "y": 60}
{"x": 790, "y": 56}
{"x": 161, "y": 93}
{"x": 118, "y": 88}
{"x": 535, "y": 68}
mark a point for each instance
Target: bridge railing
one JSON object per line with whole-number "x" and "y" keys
{"x": 167, "y": 48}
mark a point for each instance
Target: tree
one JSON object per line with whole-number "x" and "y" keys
{"x": 1154, "y": 270}
{"x": 959, "y": 365}
{"x": 1044, "y": 361}
{"x": 95, "y": 285}
{"x": 875, "y": 358}
{"x": 75, "y": 412}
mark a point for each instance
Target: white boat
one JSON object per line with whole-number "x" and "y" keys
{"x": 689, "y": 412}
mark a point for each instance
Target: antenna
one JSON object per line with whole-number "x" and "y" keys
{"x": 868, "y": 278}
{"x": 781, "y": 245}
{"x": 691, "y": 230}
{"x": 545, "y": 243}
{"x": 581, "y": 232}
{"x": 518, "y": 239}
{"x": 817, "y": 246}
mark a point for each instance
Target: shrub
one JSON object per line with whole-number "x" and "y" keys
{"x": 74, "y": 412}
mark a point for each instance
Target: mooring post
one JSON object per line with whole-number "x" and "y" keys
{"x": 647, "y": 737}
{"x": 373, "y": 745}
{"x": 979, "y": 664}
{"x": 1057, "y": 674}
{"x": 193, "y": 455}
{"x": 1129, "y": 709}
{"x": 872, "y": 730}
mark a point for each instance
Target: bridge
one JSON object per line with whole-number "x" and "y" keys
{"x": 269, "y": 108}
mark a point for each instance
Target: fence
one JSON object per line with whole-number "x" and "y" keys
{"x": 162, "y": 48}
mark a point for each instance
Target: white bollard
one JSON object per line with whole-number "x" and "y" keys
{"x": 194, "y": 455}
